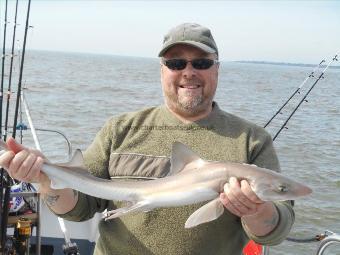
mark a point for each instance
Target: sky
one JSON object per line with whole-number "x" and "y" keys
{"x": 280, "y": 31}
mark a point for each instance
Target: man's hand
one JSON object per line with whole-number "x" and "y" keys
{"x": 22, "y": 163}
{"x": 240, "y": 199}
{"x": 259, "y": 216}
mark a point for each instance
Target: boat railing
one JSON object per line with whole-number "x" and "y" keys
{"x": 330, "y": 238}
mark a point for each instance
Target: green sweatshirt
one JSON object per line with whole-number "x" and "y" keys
{"x": 139, "y": 144}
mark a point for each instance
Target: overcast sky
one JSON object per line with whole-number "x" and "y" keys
{"x": 285, "y": 31}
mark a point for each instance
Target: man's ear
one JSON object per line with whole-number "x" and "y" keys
{"x": 162, "y": 70}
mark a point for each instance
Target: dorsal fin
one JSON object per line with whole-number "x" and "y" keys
{"x": 76, "y": 161}
{"x": 181, "y": 155}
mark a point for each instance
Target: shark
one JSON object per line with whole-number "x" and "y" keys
{"x": 190, "y": 180}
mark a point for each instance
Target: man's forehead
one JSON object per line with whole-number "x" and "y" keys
{"x": 183, "y": 50}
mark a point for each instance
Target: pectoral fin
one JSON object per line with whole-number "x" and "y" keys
{"x": 208, "y": 212}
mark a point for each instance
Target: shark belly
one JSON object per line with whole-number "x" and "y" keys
{"x": 180, "y": 197}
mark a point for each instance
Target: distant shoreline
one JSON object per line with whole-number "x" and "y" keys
{"x": 235, "y": 61}
{"x": 284, "y": 64}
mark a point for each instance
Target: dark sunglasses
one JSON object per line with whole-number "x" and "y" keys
{"x": 180, "y": 64}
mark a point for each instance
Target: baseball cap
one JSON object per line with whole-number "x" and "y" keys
{"x": 190, "y": 34}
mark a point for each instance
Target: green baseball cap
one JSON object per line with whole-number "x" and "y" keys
{"x": 190, "y": 34}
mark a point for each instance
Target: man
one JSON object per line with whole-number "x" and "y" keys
{"x": 139, "y": 144}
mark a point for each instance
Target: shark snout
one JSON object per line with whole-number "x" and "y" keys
{"x": 302, "y": 190}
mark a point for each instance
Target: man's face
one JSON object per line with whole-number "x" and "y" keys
{"x": 189, "y": 92}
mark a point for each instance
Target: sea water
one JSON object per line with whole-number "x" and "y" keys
{"x": 76, "y": 93}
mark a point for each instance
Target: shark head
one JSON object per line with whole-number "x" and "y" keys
{"x": 276, "y": 187}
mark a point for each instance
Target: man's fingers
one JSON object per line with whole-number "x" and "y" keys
{"x": 17, "y": 161}
{"x": 233, "y": 192}
{"x": 229, "y": 206}
{"x": 238, "y": 195}
{"x": 36, "y": 168}
{"x": 14, "y": 146}
{"x": 25, "y": 171}
{"x": 22, "y": 163}
{"x": 6, "y": 159}
{"x": 249, "y": 193}
{"x": 239, "y": 198}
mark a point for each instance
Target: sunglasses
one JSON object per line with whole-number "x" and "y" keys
{"x": 180, "y": 64}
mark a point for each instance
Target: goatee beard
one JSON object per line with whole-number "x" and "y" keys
{"x": 190, "y": 106}
{"x": 187, "y": 108}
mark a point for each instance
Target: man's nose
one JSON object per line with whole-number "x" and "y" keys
{"x": 189, "y": 71}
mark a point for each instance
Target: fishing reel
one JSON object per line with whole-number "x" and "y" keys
{"x": 71, "y": 249}
{"x": 22, "y": 234}
{"x": 19, "y": 243}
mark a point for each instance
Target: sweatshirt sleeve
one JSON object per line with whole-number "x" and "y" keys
{"x": 262, "y": 153}
{"x": 96, "y": 160}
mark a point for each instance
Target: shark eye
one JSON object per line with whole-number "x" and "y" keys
{"x": 282, "y": 188}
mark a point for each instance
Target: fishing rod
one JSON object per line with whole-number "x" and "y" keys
{"x": 21, "y": 71}
{"x": 3, "y": 66}
{"x": 335, "y": 58}
{"x": 295, "y": 92}
{"x": 2, "y": 175}
{"x": 5, "y": 211}
{"x": 11, "y": 71}
{"x": 69, "y": 248}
